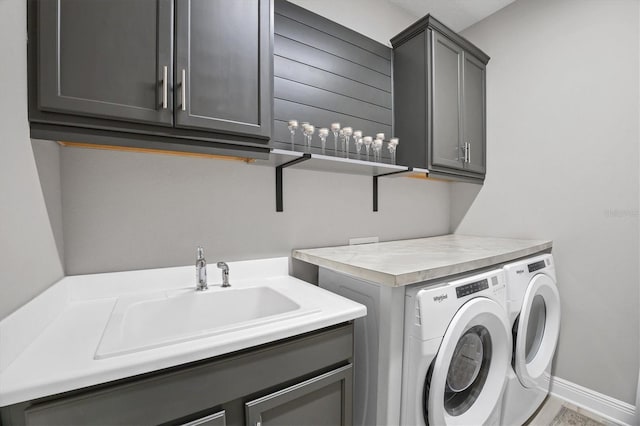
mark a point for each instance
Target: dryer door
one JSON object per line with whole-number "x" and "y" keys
{"x": 537, "y": 332}
{"x": 465, "y": 383}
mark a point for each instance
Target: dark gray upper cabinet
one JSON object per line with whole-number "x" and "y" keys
{"x": 440, "y": 101}
{"x": 106, "y": 58}
{"x": 223, "y": 65}
{"x": 183, "y": 75}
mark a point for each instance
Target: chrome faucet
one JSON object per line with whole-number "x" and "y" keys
{"x": 225, "y": 274}
{"x": 201, "y": 271}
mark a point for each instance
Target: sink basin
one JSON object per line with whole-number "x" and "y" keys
{"x": 148, "y": 321}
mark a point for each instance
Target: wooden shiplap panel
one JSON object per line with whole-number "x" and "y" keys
{"x": 321, "y": 79}
{"x": 326, "y": 73}
{"x": 309, "y": 36}
{"x": 308, "y": 95}
{"x": 302, "y": 53}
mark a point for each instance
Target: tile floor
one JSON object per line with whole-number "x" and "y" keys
{"x": 552, "y": 406}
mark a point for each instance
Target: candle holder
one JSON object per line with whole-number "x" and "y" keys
{"x": 335, "y": 129}
{"x": 323, "y": 133}
{"x": 308, "y": 132}
{"x": 357, "y": 138}
{"x": 377, "y": 147}
{"x": 293, "y": 125}
{"x": 367, "y": 144}
{"x": 348, "y": 131}
{"x": 392, "y": 146}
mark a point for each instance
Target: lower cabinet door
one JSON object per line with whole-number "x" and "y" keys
{"x": 322, "y": 400}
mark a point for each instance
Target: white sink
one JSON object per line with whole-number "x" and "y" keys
{"x": 148, "y": 321}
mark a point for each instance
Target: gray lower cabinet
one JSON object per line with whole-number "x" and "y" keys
{"x": 440, "y": 101}
{"x": 303, "y": 380}
{"x": 115, "y": 71}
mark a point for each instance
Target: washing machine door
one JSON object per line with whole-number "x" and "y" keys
{"x": 536, "y": 332}
{"x": 465, "y": 383}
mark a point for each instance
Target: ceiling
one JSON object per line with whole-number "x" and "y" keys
{"x": 458, "y": 14}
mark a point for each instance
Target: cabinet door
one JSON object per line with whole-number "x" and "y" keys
{"x": 474, "y": 105}
{"x": 110, "y": 59}
{"x": 323, "y": 400}
{"x": 224, "y": 66}
{"x": 446, "y": 149}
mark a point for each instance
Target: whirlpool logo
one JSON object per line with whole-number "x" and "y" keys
{"x": 440, "y": 298}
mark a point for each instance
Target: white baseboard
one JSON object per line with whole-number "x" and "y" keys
{"x": 600, "y": 404}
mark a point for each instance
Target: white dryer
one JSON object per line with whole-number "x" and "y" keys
{"x": 533, "y": 306}
{"x": 457, "y": 350}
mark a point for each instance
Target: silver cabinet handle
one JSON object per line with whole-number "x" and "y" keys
{"x": 184, "y": 89}
{"x": 468, "y": 152}
{"x": 165, "y": 86}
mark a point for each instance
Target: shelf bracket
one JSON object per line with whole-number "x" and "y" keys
{"x": 279, "y": 203}
{"x": 375, "y": 186}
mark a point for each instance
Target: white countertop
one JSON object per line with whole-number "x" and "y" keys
{"x": 48, "y": 345}
{"x": 400, "y": 263}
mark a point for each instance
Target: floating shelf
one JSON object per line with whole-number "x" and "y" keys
{"x": 282, "y": 159}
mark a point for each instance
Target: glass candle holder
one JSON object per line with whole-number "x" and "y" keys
{"x": 293, "y": 125}
{"x": 348, "y": 131}
{"x": 323, "y": 133}
{"x": 357, "y": 138}
{"x": 377, "y": 147}
{"x": 392, "y": 147}
{"x": 335, "y": 129}
{"x": 367, "y": 140}
{"x": 308, "y": 131}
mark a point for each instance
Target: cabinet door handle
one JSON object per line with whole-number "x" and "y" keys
{"x": 165, "y": 86}
{"x": 468, "y": 152}
{"x": 184, "y": 89}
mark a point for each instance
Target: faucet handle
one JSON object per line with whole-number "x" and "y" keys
{"x": 200, "y": 253}
{"x": 225, "y": 273}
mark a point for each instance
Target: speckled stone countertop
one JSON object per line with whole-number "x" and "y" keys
{"x": 400, "y": 263}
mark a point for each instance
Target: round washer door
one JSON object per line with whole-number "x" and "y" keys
{"x": 467, "y": 377}
{"x": 537, "y": 331}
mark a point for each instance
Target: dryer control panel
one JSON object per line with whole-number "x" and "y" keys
{"x": 467, "y": 289}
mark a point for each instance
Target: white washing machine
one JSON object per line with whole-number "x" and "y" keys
{"x": 457, "y": 350}
{"x": 533, "y": 307}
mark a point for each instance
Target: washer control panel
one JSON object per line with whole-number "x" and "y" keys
{"x": 474, "y": 287}
{"x": 535, "y": 266}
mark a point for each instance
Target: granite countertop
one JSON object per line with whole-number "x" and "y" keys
{"x": 400, "y": 263}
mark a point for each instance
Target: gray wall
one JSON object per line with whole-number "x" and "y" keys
{"x": 29, "y": 260}
{"x": 377, "y": 19}
{"x": 47, "y": 156}
{"x": 563, "y": 139}
{"x": 125, "y": 210}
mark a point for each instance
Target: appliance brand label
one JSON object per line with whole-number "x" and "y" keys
{"x": 520, "y": 271}
{"x": 440, "y": 298}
